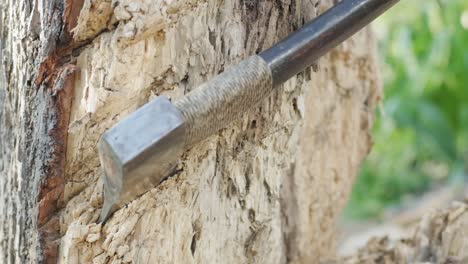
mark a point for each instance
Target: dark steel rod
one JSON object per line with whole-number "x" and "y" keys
{"x": 299, "y": 50}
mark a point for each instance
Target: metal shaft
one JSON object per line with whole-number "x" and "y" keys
{"x": 141, "y": 150}
{"x": 299, "y": 50}
{"x": 216, "y": 103}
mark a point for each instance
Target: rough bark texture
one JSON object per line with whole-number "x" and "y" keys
{"x": 441, "y": 237}
{"x": 34, "y": 110}
{"x": 265, "y": 190}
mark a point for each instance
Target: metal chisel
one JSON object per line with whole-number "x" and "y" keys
{"x": 144, "y": 148}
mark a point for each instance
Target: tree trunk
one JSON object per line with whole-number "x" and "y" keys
{"x": 267, "y": 189}
{"x": 440, "y": 237}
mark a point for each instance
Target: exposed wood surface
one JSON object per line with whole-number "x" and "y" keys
{"x": 265, "y": 190}
{"x": 440, "y": 237}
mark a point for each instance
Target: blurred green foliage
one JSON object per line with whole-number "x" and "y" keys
{"x": 421, "y": 132}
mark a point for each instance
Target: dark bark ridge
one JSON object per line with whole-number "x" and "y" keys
{"x": 35, "y": 95}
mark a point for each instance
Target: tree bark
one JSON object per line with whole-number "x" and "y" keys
{"x": 440, "y": 237}
{"x": 267, "y": 189}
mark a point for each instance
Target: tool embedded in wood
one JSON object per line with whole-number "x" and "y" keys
{"x": 144, "y": 148}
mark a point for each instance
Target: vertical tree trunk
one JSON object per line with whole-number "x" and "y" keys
{"x": 265, "y": 190}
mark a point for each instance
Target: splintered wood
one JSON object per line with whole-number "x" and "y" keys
{"x": 267, "y": 189}
{"x": 440, "y": 238}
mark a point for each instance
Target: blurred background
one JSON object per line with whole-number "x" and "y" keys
{"x": 420, "y": 137}
{"x": 419, "y": 160}
{"x": 421, "y": 132}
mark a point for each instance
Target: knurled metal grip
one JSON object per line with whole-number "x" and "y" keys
{"x": 143, "y": 148}
{"x": 225, "y": 98}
